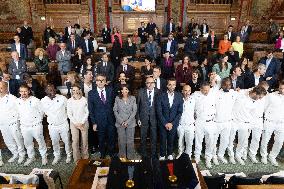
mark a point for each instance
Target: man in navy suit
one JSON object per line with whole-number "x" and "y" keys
{"x": 100, "y": 101}
{"x": 106, "y": 34}
{"x": 19, "y": 47}
{"x": 142, "y": 33}
{"x": 170, "y": 45}
{"x": 13, "y": 84}
{"x": 273, "y": 67}
{"x": 87, "y": 44}
{"x": 169, "y": 110}
{"x": 72, "y": 44}
{"x": 170, "y": 27}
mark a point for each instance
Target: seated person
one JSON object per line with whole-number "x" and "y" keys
{"x": 233, "y": 56}
{"x": 223, "y": 67}
{"x": 256, "y": 76}
{"x": 238, "y": 46}
{"x": 237, "y": 78}
{"x": 151, "y": 48}
{"x": 167, "y": 66}
{"x": 52, "y": 49}
{"x": 127, "y": 69}
{"x": 146, "y": 70}
{"x": 171, "y": 46}
{"x": 130, "y": 49}
{"x": 192, "y": 45}
{"x": 212, "y": 41}
{"x": 224, "y": 45}
{"x": 41, "y": 61}
{"x": 194, "y": 82}
{"x": 34, "y": 86}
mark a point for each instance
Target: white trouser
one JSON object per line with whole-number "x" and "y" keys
{"x": 256, "y": 132}
{"x": 57, "y": 131}
{"x": 13, "y": 139}
{"x": 207, "y": 130}
{"x": 185, "y": 133}
{"x": 224, "y": 130}
{"x": 243, "y": 134}
{"x": 30, "y": 132}
{"x": 278, "y": 129}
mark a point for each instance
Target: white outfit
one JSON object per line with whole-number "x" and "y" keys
{"x": 273, "y": 123}
{"x": 9, "y": 125}
{"x": 56, "y": 111}
{"x": 243, "y": 111}
{"x": 30, "y": 116}
{"x": 186, "y": 127}
{"x": 224, "y": 107}
{"x": 205, "y": 125}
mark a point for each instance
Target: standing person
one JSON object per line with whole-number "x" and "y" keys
{"x": 146, "y": 115}
{"x": 77, "y": 111}
{"x": 87, "y": 44}
{"x": 63, "y": 58}
{"x": 125, "y": 109}
{"x": 19, "y": 47}
{"x": 27, "y": 33}
{"x": 100, "y": 104}
{"x": 243, "y": 110}
{"x": 55, "y": 107}
{"x": 30, "y": 116}
{"x": 106, "y": 68}
{"x": 52, "y": 49}
{"x": 169, "y": 111}
{"x": 273, "y": 123}
{"x": 160, "y": 83}
{"x": 205, "y": 122}
{"x": 78, "y": 60}
{"x": 183, "y": 73}
{"x": 151, "y": 26}
{"x": 9, "y": 126}
{"x": 106, "y": 34}
{"x": 115, "y": 32}
{"x": 167, "y": 66}
{"x": 17, "y": 67}
{"x": 170, "y": 27}
{"x": 115, "y": 52}
{"x": 186, "y": 126}
{"x": 142, "y": 33}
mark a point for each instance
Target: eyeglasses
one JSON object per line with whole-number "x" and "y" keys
{"x": 100, "y": 80}
{"x": 150, "y": 82}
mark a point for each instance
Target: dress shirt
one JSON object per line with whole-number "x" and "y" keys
{"x": 17, "y": 66}
{"x": 234, "y": 82}
{"x": 224, "y": 105}
{"x": 171, "y": 27}
{"x": 77, "y": 110}
{"x": 274, "y": 107}
{"x": 55, "y": 109}
{"x": 169, "y": 43}
{"x": 87, "y": 89}
{"x": 158, "y": 83}
{"x": 87, "y": 45}
{"x": 62, "y": 53}
{"x": 229, "y": 34}
{"x": 124, "y": 67}
{"x": 100, "y": 91}
{"x": 256, "y": 80}
{"x": 30, "y": 111}
{"x": 69, "y": 30}
{"x": 187, "y": 117}
{"x": 268, "y": 62}
{"x": 152, "y": 95}
{"x": 8, "y": 109}
{"x": 18, "y": 48}
{"x": 204, "y": 28}
{"x": 171, "y": 98}
{"x": 104, "y": 64}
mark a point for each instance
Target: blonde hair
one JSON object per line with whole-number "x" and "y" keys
{"x": 38, "y": 50}
{"x": 74, "y": 76}
{"x": 51, "y": 38}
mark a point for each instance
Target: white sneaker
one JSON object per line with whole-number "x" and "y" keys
{"x": 55, "y": 160}
{"x": 273, "y": 161}
{"x": 1, "y": 163}
{"x": 208, "y": 164}
{"x": 68, "y": 159}
{"x": 245, "y": 157}
{"x": 162, "y": 158}
{"x": 222, "y": 159}
{"x": 240, "y": 161}
{"x": 13, "y": 158}
{"x": 232, "y": 160}
{"x": 44, "y": 161}
{"x": 215, "y": 161}
{"x": 29, "y": 161}
{"x": 170, "y": 157}
{"x": 253, "y": 159}
{"x": 197, "y": 160}
{"x": 21, "y": 159}
{"x": 264, "y": 160}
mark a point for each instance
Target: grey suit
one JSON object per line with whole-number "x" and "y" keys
{"x": 147, "y": 115}
{"x": 15, "y": 70}
{"x": 125, "y": 112}
{"x": 151, "y": 49}
{"x": 64, "y": 63}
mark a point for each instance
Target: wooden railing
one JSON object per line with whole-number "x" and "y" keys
{"x": 62, "y": 1}
{"x": 213, "y": 1}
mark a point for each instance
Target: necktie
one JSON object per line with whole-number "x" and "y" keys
{"x": 73, "y": 44}
{"x": 212, "y": 39}
{"x": 103, "y": 96}
{"x": 149, "y": 99}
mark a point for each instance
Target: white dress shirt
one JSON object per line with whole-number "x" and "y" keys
{"x": 87, "y": 89}
{"x": 187, "y": 117}
{"x": 55, "y": 109}
{"x": 169, "y": 43}
{"x": 158, "y": 83}
{"x": 171, "y": 98}
{"x": 30, "y": 111}
{"x": 77, "y": 110}
{"x": 87, "y": 45}
{"x": 100, "y": 91}
{"x": 171, "y": 27}
{"x": 8, "y": 109}
{"x": 18, "y": 48}
{"x": 152, "y": 95}
{"x": 256, "y": 80}
{"x": 274, "y": 107}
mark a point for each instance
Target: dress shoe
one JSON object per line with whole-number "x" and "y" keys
{"x": 21, "y": 159}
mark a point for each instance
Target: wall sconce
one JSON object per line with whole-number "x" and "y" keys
{"x": 42, "y": 18}
{"x": 233, "y": 18}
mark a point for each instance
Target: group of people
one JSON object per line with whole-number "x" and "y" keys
{"x": 199, "y": 98}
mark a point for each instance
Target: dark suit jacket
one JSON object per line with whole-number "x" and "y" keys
{"x": 201, "y": 28}
{"x": 233, "y": 36}
{"x": 107, "y": 70}
{"x": 84, "y": 47}
{"x": 233, "y": 58}
{"x": 250, "y": 81}
{"x": 142, "y": 35}
{"x": 240, "y": 82}
{"x": 272, "y": 70}
{"x": 23, "y": 50}
{"x": 144, "y": 114}
{"x": 163, "y": 84}
{"x": 168, "y": 28}
{"x": 27, "y": 34}
{"x": 69, "y": 45}
{"x": 129, "y": 73}
{"x": 209, "y": 43}
{"x": 167, "y": 114}
{"x": 100, "y": 113}
{"x": 13, "y": 70}
{"x": 202, "y": 76}
{"x": 150, "y": 28}
{"x": 66, "y": 34}
{"x": 173, "y": 49}
{"x": 106, "y": 34}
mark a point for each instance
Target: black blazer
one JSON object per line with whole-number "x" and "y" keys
{"x": 77, "y": 63}
{"x": 240, "y": 82}
{"x": 129, "y": 73}
{"x": 234, "y": 59}
{"x": 250, "y": 81}
{"x": 168, "y": 28}
{"x": 163, "y": 84}
{"x": 23, "y": 50}
{"x": 206, "y": 26}
{"x": 142, "y": 35}
{"x": 209, "y": 43}
{"x": 233, "y": 36}
{"x": 14, "y": 87}
{"x": 106, "y": 34}
{"x": 150, "y": 28}
{"x": 69, "y": 45}
{"x": 107, "y": 70}
{"x": 84, "y": 47}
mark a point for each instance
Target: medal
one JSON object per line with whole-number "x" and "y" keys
{"x": 172, "y": 177}
{"x": 130, "y": 183}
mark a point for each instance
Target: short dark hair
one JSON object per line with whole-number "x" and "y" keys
{"x": 259, "y": 90}
{"x": 204, "y": 83}
{"x": 171, "y": 79}
{"x": 121, "y": 86}
{"x": 226, "y": 79}
{"x": 157, "y": 67}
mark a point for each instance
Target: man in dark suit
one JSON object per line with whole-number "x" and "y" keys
{"x": 233, "y": 56}
{"x": 192, "y": 45}
{"x": 170, "y": 45}
{"x": 204, "y": 28}
{"x": 106, "y": 68}
{"x": 273, "y": 67}
{"x": 17, "y": 67}
{"x": 191, "y": 26}
{"x": 236, "y": 78}
{"x": 142, "y": 33}
{"x": 100, "y": 104}
{"x": 87, "y": 44}
{"x": 128, "y": 70}
{"x": 106, "y": 34}
{"x": 212, "y": 41}
{"x": 27, "y": 33}
{"x": 150, "y": 28}
{"x": 13, "y": 84}
{"x": 170, "y": 27}
{"x": 169, "y": 111}
{"x": 160, "y": 83}
{"x": 256, "y": 77}
{"x": 248, "y": 28}
{"x": 146, "y": 115}
{"x": 72, "y": 44}
{"x": 68, "y": 30}
{"x": 19, "y": 47}
{"x": 231, "y": 34}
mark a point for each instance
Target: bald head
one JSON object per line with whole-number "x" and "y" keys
{"x": 3, "y": 88}
{"x": 186, "y": 91}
